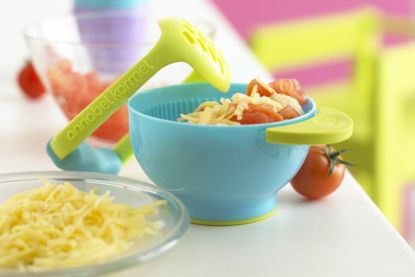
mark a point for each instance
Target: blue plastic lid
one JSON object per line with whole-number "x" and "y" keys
{"x": 108, "y": 4}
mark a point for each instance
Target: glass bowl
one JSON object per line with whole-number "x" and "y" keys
{"x": 127, "y": 191}
{"x": 77, "y": 56}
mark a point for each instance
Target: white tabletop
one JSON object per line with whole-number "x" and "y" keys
{"x": 343, "y": 235}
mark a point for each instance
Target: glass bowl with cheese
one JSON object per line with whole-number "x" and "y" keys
{"x": 83, "y": 224}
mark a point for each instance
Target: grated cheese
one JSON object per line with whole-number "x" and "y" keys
{"x": 58, "y": 226}
{"x": 222, "y": 112}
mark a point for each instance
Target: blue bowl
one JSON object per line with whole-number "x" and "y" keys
{"x": 225, "y": 175}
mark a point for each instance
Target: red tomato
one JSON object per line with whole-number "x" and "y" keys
{"x": 60, "y": 75}
{"x": 259, "y": 113}
{"x": 29, "y": 82}
{"x": 288, "y": 112}
{"x": 115, "y": 127}
{"x": 314, "y": 180}
{"x": 74, "y": 91}
{"x": 262, "y": 90}
{"x": 291, "y": 88}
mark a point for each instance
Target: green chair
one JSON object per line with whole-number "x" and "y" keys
{"x": 395, "y": 130}
{"x": 314, "y": 41}
{"x": 380, "y": 96}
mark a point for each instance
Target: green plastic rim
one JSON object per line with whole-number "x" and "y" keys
{"x": 198, "y": 221}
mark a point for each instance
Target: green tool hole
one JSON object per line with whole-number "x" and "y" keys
{"x": 213, "y": 54}
{"x": 189, "y": 28}
{"x": 202, "y": 44}
{"x": 189, "y": 37}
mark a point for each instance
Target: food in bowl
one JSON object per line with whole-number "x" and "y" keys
{"x": 262, "y": 103}
{"x": 74, "y": 91}
{"x": 58, "y": 226}
{"x": 96, "y": 48}
{"x": 212, "y": 168}
{"x": 222, "y": 187}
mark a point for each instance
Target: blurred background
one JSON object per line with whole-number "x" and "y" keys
{"x": 358, "y": 56}
{"x": 355, "y": 55}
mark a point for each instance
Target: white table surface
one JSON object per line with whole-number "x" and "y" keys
{"x": 343, "y": 235}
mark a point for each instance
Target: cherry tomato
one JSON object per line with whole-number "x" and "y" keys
{"x": 259, "y": 113}
{"x": 291, "y": 88}
{"x": 321, "y": 174}
{"x": 29, "y": 82}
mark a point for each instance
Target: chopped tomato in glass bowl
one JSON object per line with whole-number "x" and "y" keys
{"x": 78, "y": 56}
{"x": 73, "y": 91}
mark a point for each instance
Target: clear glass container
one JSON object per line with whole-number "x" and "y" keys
{"x": 77, "y": 56}
{"x": 135, "y": 193}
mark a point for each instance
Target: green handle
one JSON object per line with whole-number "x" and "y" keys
{"x": 194, "y": 77}
{"x": 123, "y": 147}
{"x": 98, "y": 111}
{"x": 328, "y": 126}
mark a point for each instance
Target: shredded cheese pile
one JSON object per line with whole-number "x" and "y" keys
{"x": 58, "y": 226}
{"x": 222, "y": 112}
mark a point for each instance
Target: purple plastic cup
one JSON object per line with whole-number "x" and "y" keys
{"x": 121, "y": 24}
